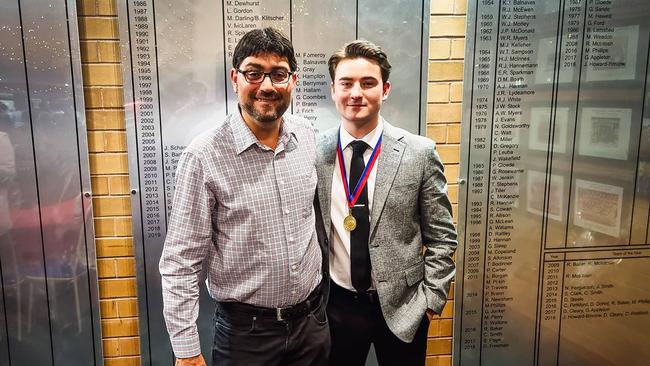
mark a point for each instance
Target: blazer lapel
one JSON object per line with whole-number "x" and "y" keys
{"x": 390, "y": 157}
{"x": 325, "y": 167}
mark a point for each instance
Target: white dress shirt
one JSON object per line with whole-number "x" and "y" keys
{"x": 339, "y": 237}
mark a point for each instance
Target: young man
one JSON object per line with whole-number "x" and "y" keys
{"x": 243, "y": 208}
{"x": 386, "y": 212}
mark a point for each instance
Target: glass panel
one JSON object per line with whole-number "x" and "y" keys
{"x": 554, "y": 214}
{"x": 402, "y": 39}
{"x": 49, "y": 295}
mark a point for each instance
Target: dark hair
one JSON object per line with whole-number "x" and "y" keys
{"x": 261, "y": 41}
{"x": 361, "y": 49}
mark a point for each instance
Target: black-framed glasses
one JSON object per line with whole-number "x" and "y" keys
{"x": 279, "y": 76}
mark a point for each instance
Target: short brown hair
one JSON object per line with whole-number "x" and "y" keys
{"x": 361, "y": 49}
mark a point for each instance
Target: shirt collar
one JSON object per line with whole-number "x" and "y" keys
{"x": 244, "y": 137}
{"x": 371, "y": 138}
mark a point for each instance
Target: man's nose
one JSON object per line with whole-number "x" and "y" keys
{"x": 266, "y": 83}
{"x": 355, "y": 92}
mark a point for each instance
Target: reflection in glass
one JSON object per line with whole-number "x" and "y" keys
{"x": 44, "y": 252}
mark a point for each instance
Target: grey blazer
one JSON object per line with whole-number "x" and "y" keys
{"x": 412, "y": 236}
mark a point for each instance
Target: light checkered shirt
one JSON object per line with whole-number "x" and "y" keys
{"x": 246, "y": 213}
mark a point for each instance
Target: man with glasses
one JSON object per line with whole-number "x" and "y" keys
{"x": 243, "y": 210}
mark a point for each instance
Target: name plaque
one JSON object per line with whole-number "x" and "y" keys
{"x": 178, "y": 56}
{"x": 553, "y": 260}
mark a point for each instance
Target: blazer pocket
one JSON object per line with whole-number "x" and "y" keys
{"x": 414, "y": 274}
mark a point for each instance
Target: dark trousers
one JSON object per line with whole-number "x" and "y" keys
{"x": 356, "y": 322}
{"x": 245, "y": 339}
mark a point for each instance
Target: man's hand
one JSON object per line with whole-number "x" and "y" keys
{"x": 191, "y": 361}
{"x": 430, "y": 314}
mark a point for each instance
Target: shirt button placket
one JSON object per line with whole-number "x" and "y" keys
{"x": 284, "y": 199}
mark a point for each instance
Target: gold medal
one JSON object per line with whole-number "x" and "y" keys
{"x": 349, "y": 222}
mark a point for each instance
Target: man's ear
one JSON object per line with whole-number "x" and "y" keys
{"x": 233, "y": 79}
{"x": 386, "y": 90}
{"x": 332, "y": 89}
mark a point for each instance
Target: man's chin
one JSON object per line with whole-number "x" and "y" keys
{"x": 267, "y": 118}
{"x": 265, "y": 113}
{"x": 358, "y": 118}
{"x": 268, "y": 115}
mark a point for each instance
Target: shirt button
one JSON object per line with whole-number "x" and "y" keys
{"x": 291, "y": 239}
{"x": 281, "y": 182}
{"x": 293, "y": 292}
{"x": 294, "y": 267}
{"x": 286, "y": 212}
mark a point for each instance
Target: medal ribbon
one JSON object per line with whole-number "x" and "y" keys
{"x": 354, "y": 196}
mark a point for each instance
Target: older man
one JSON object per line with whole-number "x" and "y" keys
{"x": 243, "y": 208}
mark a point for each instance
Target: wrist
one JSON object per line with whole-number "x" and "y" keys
{"x": 190, "y": 361}
{"x": 189, "y": 358}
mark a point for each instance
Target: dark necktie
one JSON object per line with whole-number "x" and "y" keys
{"x": 359, "y": 253}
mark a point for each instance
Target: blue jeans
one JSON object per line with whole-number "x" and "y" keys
{"x": 246, "y": 339}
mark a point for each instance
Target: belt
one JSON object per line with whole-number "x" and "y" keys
{"x": 298, "y": 310}
{"x": 369, "y": 296}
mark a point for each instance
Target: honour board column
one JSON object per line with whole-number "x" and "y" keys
{"x": 312, "y": 99}
{"x": 153, "y": 187}
{"x": 480, "y": 111}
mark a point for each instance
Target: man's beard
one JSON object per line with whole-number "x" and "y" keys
{"x": 270, "y": 115}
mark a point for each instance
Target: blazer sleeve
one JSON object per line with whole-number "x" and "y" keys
{"x": 438, "y": 231}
